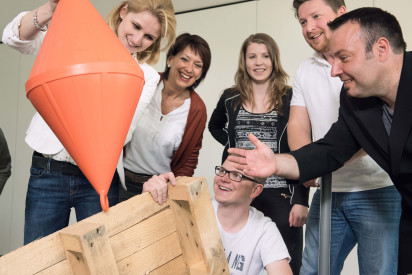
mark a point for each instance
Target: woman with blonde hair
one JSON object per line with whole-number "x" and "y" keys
{"x": 258, "y": 103}
{"x": 56, "y": 183}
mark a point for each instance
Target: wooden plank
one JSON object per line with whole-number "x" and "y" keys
{"x": 176, "y": 266}
{"x": 197, "y": 226}
{"x": 88, "y": 249}
{"x": 198, "y": 268}
{"x": 179, "y": 191}
{"x": 128, "y": 213}
{"x": 47, "y": 251}
{"x": 60, "y": 268}
{"x": 142, "y": 234}
{"x": 130, "y": 227}
{"x": 151, "y": 257}
{"x": 185, "y": 228}
{"x": 33, "y": 257}
{"x": 134, "y": 239}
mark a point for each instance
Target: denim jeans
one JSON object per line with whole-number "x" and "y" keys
{"x": 52, "y": 194}
{"x": 367, "y": 218}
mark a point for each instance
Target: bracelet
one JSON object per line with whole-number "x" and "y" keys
{"x": 36, "y": 24}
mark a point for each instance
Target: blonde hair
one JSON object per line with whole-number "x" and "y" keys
{"x": 278, "y": 79}
{"x": 163, "y": 10}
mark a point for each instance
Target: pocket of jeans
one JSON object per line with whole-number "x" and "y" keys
{"x": 37, "y": 172}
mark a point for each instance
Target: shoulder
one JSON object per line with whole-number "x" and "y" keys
{"x": 230, "y": 97}
{"x": 312, "y": 63}
{"x": 147, "y": 67}
{"x": 265, "y": 230}
{"x": 197, "y": 102}
{"x": 230, "y": 93}
{"x": 259, "y": 220}
{"x": 149, "y": 72}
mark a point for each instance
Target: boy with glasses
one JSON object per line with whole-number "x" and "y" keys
{"x": 252, "y": 242}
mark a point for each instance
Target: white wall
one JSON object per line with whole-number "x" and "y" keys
{"x": 224, "y": 28}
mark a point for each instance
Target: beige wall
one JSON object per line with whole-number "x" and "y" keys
{"x": 224, "y": 28}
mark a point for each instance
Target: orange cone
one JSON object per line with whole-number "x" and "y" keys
{"x": 86, "y": 86}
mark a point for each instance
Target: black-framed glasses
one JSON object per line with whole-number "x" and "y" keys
{"x": 233, "y": 175}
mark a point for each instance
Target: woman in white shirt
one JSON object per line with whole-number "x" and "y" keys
{"x": 56, "y": 183}
{"x": 169, "y": 134}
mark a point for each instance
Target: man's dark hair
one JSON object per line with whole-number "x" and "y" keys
{"x": 334, "y": 4}
{"x": 375, "y": 23}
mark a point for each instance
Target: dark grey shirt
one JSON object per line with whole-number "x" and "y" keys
{"x": 387, "y": 116}
{"x": 5, "y": 161}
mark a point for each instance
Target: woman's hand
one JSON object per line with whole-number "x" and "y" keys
{"x": 157, "y": 186}
{"x": 298, "y": 215}
{"x": 311, "y": 183}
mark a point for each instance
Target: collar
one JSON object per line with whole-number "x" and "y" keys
{"x": 318, "y": 57}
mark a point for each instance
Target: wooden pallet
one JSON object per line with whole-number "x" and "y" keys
{"x": 137, "y": 236}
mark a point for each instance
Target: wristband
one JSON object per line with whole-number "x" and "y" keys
{"x": 36, "y": 24}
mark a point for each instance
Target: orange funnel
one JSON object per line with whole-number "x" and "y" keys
{"x": 86, "y": 86}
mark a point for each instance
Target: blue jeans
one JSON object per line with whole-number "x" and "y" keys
{"x": 367, "y": 218}
{"x": 51, "y": 195}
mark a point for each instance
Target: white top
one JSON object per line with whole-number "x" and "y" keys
{"x": 156, "y": 138}
{"x": 256, "y": 245}
{"x": 39, "y": 136}
{"x": 315, "y": 89}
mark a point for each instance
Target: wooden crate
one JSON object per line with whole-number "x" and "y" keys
{"x": 137, "y": 236}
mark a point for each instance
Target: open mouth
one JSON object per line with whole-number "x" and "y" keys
{"x": 184, "y": 76}
{"x": 224, "y": 188}
{"x": 131, "y": 44}
{"x": 315, "y": 36}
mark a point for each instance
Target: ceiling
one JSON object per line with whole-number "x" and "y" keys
{"x": 182, "y": 6}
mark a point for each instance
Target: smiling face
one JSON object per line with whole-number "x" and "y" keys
{"x": 138, "y": 31}
{"x": 258, "y": 63}
{"x": 185, "y": 68}
{"x": 358, "y": 70}
{"x": 314, "y": 16}
{"x": 228, "y": 191}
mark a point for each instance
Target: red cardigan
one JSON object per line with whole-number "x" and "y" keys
{"x": 185, "y": 159}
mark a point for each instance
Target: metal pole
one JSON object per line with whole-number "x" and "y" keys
{"x": 324, "y": 224}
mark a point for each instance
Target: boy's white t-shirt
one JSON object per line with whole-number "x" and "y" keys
{"x": 258, "y": 244}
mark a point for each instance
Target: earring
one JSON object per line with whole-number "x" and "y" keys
{"x": 168, "y": 65}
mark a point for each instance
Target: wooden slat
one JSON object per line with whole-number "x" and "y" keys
{"x": 186, "y": 231}
{"x": 46, "y": 252}
{"x": 142, "y": 234}
{"x": 198, "y": 268}
{"x": 197, "y": 226}
{"x": 88, "y": 249}
{"x": 144, "y": 237}
{"x": 128, "y": 213}
{"x": 60, "y": 268}
{"x": 33, "y": 257}
{"x": 152, "y": 257}
{"x": 178, "y": 192}
{"x": 176, "y": 266}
